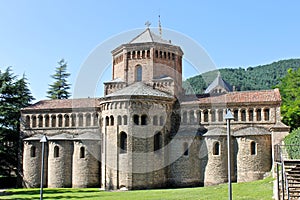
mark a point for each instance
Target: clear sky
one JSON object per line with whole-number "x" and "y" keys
{"x": 35, "y": 35}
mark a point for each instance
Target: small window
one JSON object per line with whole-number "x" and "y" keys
{"x": 139, "y": 73}
{"x": 185, "y": 149}
{"x": 220, "y": 115}
{"x": 243, "y": 115}
{"x": 253, "y": 148}
{"x": 161, "y": 121}
{"x": 33, "y": 121}
{"x": 112, "y": 120}
{"x": 119, "y": 120}
{"x": 205, "y": 116}
{"x": 107, "y": 121}
{"x": 27, "y": 121}
{"x": 88, "y": 119}
{"x": 155, "y": 120}
{"x": 136, "y": 119}
{"x": 32, "y": 151}
{"x": 60, "y": 120}
{"x": 67, "y": 121}
{"x": 192, "y": 117}
{"x": 216, "y": 149}
{"x": 95, "y": 119}
{"x": 56, "y": 152}
{"x": 125, "y": 119}
{"x": 82, "y": 152}
{"x": 157, "y": 141}
{"x": 123, "y": 142}
{"x": 73, "y": 120}
{"x": 144, "y": 120}
{"x": 250, "y": 115}
{"x": 213, "y": 115}
{"x": 47, "y": 119}
{"x": 40, "y": 121}
{"x": 236, "y": 115}
{"x": 258, "y": 114}
{"x": 80, "y": 120}
{"x": 53, "y": 121}
{"x": 267, "y": 114}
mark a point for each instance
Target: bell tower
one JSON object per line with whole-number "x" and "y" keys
{"x": 149, "y": 59}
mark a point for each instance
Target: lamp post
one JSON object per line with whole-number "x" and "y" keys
{"x": 43, "y": 141}
{"x": 229, "y": 117}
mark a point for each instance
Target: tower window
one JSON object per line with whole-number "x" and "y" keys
{"x": 205, "y": 116}
{"x": 33, "y": 121}
{"x": 136, "y": 119}
{"x": 267, "y": 114}
{"x": 250, "y": 115}
{"x": 80, "y": 120}
{"x": 106, "y": 121}
{"x": 123, "y": 142}
{"x": 139, "y": 72}
{"x": 253, "y": 148}
{"x": 258, "y": 114}
{"x": 220, "y": 115}
{"x": 27, "y": 121}
{"x": 53, "y": 121}
{"x": 112, "y": 120}
{"x": 88, "y": 119}
{"x": 40, "y": 120}
{"x": 119, "y": 120}
{"x": 67, "y": 121}
{"x": 60, "y": 120}
{"x": 125, "y": 119}
{"x": 236, "y": 115}
{"x": 32, "y": 151}
{"x": 243, "y": 115}
{"x": 144, "y": 120}
{"x": 82, "y": 152}
{"x": 216, "y": 149}
{"x": 157, "y": 141}
{"x": 56, "y": 152}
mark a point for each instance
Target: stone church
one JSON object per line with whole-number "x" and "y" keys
{"x": 146, "y": 132}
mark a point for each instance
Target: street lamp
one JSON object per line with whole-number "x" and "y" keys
{"x": 43, "y": 141}
{"x": 229, "y": 117}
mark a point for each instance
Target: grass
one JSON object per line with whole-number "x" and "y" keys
{"x": 257, "y": 190}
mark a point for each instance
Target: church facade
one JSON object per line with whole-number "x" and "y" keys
{"x": 146, "y": 132}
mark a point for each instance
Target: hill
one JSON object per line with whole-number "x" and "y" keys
{"x": 252, "y": 78}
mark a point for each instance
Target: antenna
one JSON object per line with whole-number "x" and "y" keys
{"x": 159, "y": 26}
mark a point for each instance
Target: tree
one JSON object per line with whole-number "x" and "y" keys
{"x": 60, "y": 88}
{"x": 14, "y": 95}
{"x": 290, "y": 93}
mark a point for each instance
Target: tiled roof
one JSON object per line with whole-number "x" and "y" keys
{"x": 64, "y": 103}
{"x": 239, "y": 97}
{"x": 139, "y": 89}
{"x": 148, "y": 36}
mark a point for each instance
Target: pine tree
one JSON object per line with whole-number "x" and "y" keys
{"x": 60, "y": 88}
{"x": 14, "y": 95}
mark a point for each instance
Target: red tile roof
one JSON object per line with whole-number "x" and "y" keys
{"x": 263, "y": 96}
{"x": 64, "y": 103}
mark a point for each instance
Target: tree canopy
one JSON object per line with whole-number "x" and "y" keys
{"x": 60, "y": 87}
{"x": 14, "y": 95}
{"x": 289, "y": 88}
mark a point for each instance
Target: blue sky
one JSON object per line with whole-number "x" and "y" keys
{"x": 35, "y": 35}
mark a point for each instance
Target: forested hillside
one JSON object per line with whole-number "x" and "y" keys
{"x": 251, "y": 78}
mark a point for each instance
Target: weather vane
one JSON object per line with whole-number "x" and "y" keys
{"x": 147, "y": 23}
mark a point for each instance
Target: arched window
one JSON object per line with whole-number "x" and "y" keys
{"x": 250, "y": 115}
{"x": 236, "y": 115}
{"x": 27, "y": 121}
{"x": 198, "y": 113}
{"x": 88, "y": 119}
{"x": 112, "y": 121}
{"x": 32, "y": 151}
{"x": 243, "y": 115}
{"x": 95, "y": 119}
{"x": 73, "y": 116}
{"x": 267, "y": 114}
{"x": 80, "y": 119}
{"x": 258, "y": 114}
{"x": 47, "y": 119}
{"x": 216, "y": 149}
{"x": 136, "y": 119}
{"x": 123, "y": 142}
{"x": 185, "y": 149}
{"x": 119, "y": 120}
{"x": 192, "y": 117}
{"x": 161, "y": 121}
{"x": 139, "y": 73}
{"x": 56, "y": 152}
{"x": 60, "y": 120}
{"x": 53, "y": 121}
{"x": 205, "y": 112}
{"x": 155, "y": 120}
{"x": 67, "y": 120}
{"x": 220, "y": 115}
{"x": 144, "y": 119}
{"x": 40, "y": 121}
{"x": 213, "y": 115}
{"x": 253, "y": 148}
{"x": 82, "y": 152}
{"x": 157, "y": 141}
{"x": 125, "y": 119}
{"x": 106, "y": 121}
{"x": 33, "y": 121}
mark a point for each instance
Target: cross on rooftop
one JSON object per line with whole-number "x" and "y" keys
{"x": 147, "y": 23}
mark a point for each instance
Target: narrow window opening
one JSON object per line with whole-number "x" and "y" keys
{"x": 32, "y": 151}
{"x": 82, "y": 152}
{"x": 253, "y": 148}
{"x": 139, "y": 72}
{"x": 185, "y": 149}
{"x": 136, "y": 119}
{"x": 155, "y": 120}
{"x": 243, "y": 115}
{"x": 144, "y": 120}
{"x": 56, "y": 152}
{"x": 125, "y": 119}
{"x": 216, "y": 149}
{"x": 157, "y": 141}
{"x": 123, "y": 142}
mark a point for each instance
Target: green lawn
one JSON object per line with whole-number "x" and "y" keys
{"x": 260, "y": 190}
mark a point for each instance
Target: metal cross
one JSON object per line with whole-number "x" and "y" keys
{"x": 147, "y": 23}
